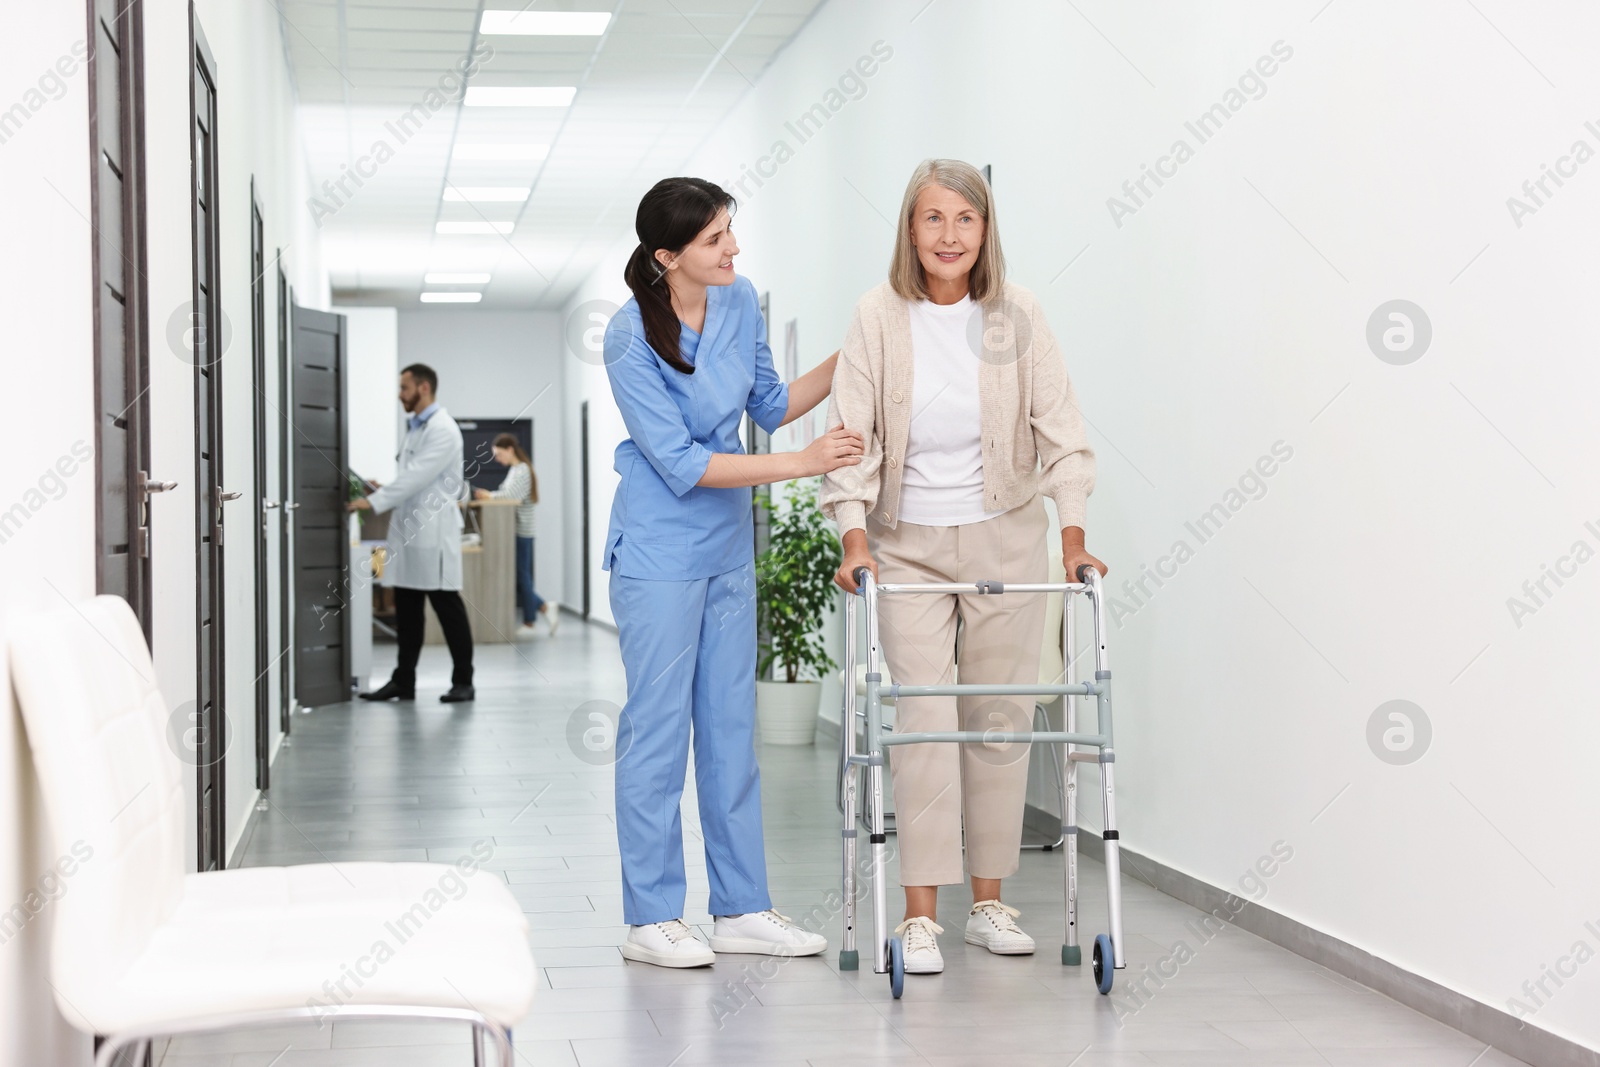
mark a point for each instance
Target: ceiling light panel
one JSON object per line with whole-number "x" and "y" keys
{"x": 520, "y": 95}
{"x": 486, "y": 194}
{"x": 451, "y": 298}
{"x": 545, "y": 23}
{"x": 441, "y": 278}
{"x": 474, "y": 226}
{"x": 489, "y": 151}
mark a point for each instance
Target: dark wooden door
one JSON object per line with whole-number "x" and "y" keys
{"x": 209, "y": 342}
{"x": 121, "y": 445}
{"x": 262, "y": 504}
{"x": 322, "y": 667}
{"x": 285, "y": 513}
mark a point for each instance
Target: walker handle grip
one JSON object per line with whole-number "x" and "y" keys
{"x": 1083, "y": 572}
{"x": 860, "y": 575}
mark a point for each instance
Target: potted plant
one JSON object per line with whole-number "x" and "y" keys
{"x": 794, "y": 586}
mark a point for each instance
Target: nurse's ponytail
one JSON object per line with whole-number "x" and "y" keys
{"x": 669, "y": 217}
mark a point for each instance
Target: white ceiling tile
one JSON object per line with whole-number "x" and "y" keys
{"x": 633, "y": 120}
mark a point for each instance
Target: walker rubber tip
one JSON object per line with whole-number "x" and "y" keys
{"x": 1071, "y": 956}
{"x": 849, "y": 960}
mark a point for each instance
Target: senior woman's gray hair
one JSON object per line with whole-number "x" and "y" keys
{"x": 988, "y": 275}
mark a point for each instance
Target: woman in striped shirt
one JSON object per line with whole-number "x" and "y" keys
{"x": 521, "y": 485}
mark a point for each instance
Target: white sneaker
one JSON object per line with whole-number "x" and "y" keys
{"x": 993, "y": 926}
{"x": 766, "y": 933}
{"x": 552, "y": 616}
{"x": 920, "y": 945}
{"x": 668, "y": 944}
{"x": 526, "y": 632}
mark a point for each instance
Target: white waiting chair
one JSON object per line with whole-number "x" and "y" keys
{"x": 141, "y": 950}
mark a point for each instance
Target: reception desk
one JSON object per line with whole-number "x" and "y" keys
{"x": 488, "y": 575}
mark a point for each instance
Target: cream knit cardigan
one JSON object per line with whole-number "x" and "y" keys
{"x": 1033, "y": 435}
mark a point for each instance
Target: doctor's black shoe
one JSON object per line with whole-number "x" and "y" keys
{"x": 389, "y": 691}
{"x": 459, "y": 694}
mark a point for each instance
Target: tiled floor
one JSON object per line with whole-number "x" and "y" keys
{"x": 424, "y": 781}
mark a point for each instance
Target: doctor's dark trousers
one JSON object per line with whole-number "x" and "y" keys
{"x": 689, "y": 651}
{"x": 409, "y": 626}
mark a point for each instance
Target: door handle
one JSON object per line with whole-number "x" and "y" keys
{"x": 268, "y": 505}
{"x": 147, "y": 487}
{"x": 291, "y": 507}
{"x": 227, "y": 496}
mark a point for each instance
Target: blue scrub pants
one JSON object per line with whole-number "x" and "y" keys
{"x": 689, "y": 650}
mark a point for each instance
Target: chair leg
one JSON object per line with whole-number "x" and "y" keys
{"x": 505, "y": 1054}
{"x": 110, "y": 1052}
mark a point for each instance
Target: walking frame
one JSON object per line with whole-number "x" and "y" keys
{"x": 1076, "y": 748}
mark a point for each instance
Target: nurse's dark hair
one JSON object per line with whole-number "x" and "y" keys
{"x": 669, "y": 217}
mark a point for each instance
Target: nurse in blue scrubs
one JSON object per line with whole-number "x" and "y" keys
{"x": 687, "y": 357}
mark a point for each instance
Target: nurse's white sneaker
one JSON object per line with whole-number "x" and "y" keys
{"x": 993, "y": 926}
{"x": 920, "y": 944}
{"x": 765, "y": 933}
{"x": 552, "y": 618}
{"x": 668, "y": 944}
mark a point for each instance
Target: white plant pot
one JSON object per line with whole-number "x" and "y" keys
{"x": 787, "y": 711}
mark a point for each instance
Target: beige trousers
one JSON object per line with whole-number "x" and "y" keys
{"x": 936, "y": 786}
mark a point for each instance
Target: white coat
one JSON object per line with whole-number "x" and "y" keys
{"x": 424, "y": 547}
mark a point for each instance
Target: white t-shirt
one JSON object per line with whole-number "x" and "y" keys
{"x": 942, "y": 484}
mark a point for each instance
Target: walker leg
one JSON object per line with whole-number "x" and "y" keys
{"x": 849, "y": 958}
{"x": 880, "y": 904}
{"x": 1113, "y": 863}
{"x": 1108, "y": 758}
{"x": 1071, "y": 953}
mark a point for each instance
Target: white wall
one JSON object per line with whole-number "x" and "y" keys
{"x": 504, "y": 365}
{"x": 1226, "y": 314}
{"x": 372, "y": 370}
{"x": 594, "y": 301}
{"x": 47, "y": 301}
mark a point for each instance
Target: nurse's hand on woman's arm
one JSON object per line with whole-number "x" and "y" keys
{"x": 834, "y": 449}
{"x": 810, "y": 389}
{"x": 856, "y": 554}
{"x": 1074, "y": 555}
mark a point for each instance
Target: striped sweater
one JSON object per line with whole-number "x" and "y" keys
{"x": 518, "y": 486}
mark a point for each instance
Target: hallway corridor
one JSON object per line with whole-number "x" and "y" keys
{"x": 664, "y": 314}
{"x": 424, "y": 781}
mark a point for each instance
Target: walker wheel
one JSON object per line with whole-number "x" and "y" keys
{"x": 897, "y": 968}
{"x": 1104, "y": 963}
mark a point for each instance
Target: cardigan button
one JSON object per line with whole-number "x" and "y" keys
{"x": 893, "y": 462}
{"x": 897, "y": 397}
{"x": 885, "y": 516}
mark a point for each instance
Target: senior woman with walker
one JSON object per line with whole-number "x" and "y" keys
{"x": 686, "y": 358}
{"x": 953, "y": 378}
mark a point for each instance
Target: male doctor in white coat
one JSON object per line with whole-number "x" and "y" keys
{"x": 424, "y": 551}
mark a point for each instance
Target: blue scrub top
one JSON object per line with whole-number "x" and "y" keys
{"x": 663, "y": 525}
